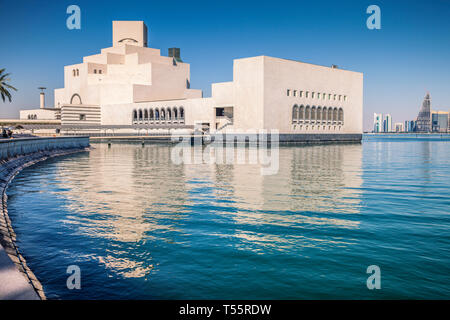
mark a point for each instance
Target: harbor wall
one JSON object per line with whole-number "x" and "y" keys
{"x": 17, "y": 281}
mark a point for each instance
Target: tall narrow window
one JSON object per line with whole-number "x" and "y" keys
{"x": 181, "y": 113}
{"x": 341, "y": 115}
{"x": 294, "y": 113}
{"x": 313, "y": 113}
{"x": 307, "y": 113}
{"x": 301, "y": 113}
{"x": 175, "y": 113}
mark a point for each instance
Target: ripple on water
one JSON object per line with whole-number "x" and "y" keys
{"x": 140, "y": 226}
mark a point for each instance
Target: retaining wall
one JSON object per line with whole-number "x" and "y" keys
{"x": 17, "y": 281}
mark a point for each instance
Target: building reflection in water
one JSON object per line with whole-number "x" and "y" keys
{"x": 136, "y": 195}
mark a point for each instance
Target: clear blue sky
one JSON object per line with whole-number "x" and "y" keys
{"x": 407, "y": 57}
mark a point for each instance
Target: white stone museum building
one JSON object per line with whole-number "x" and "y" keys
{"x": 130, "y": 85}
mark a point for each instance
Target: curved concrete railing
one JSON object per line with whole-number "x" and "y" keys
{"x": 10, "y": 148}
{"x": 17, "y": 281}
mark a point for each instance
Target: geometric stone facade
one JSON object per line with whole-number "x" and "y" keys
{"x": 130, "y": 83}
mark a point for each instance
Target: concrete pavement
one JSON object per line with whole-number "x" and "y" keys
{"x": 13, "y": 283}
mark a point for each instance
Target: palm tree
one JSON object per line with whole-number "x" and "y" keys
{"x": 4, "y": 86}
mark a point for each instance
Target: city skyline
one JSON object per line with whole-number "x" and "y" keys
{"x": 398, "y": 69}
{"x": 428, "y": 119}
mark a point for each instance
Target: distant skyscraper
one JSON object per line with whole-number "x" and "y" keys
{"x": 439, "y": 121}
{"x": 377, "y": 122}
{"x": 409, "y": 125}
{"x": 387, "y": 123}
{"x": 423, "y": 123}
{"x": 399, "y": 127}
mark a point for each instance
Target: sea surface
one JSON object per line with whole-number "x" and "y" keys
{"x": 140, "y": 226}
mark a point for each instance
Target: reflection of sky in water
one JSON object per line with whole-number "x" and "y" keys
{"x": 128, "y": 214}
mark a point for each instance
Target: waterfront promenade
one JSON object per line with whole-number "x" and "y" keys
{"x": 17, "y": 281}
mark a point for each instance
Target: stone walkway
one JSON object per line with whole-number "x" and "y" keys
{"x": 13, "y": 284}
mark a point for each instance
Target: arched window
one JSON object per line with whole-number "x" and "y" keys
{"x": 74, "y": 72}
{"x": 78, "y": 72}
{"x": 324, "y": 114}
{"x": 330, "y": 114}
{"x": 181, "y": 113}
{"x": 319, "y": 114}
{"x": 294, "y": 113}
{"x": 140, "y": 114}
{"x": 335, "y": 114}
{"x": 313, "y": 113}
{"x": 156, "y": 114}
{"x": 169, "y": 114}
{"x": 145, "y": 115}
{"x": 76, "y": 99}
{"x": 307, "y": 113}
{"x": 341, "y": 114}
{"x": 151, "y": 114}
{"x": 301, "y": 113}
{"x": 175, "y": 113}
{"x": 134, "y": 115}
{"x": 162, "y": 115}
{"x": 128, "y": 40}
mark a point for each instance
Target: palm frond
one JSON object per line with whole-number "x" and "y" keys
{"x": 9, "y": 86}
{"x": 5, "y": 86}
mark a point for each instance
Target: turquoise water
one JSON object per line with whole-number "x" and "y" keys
{"x": 139, "y": 226}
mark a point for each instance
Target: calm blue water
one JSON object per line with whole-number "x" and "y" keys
{"x": 140, "y": 226}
